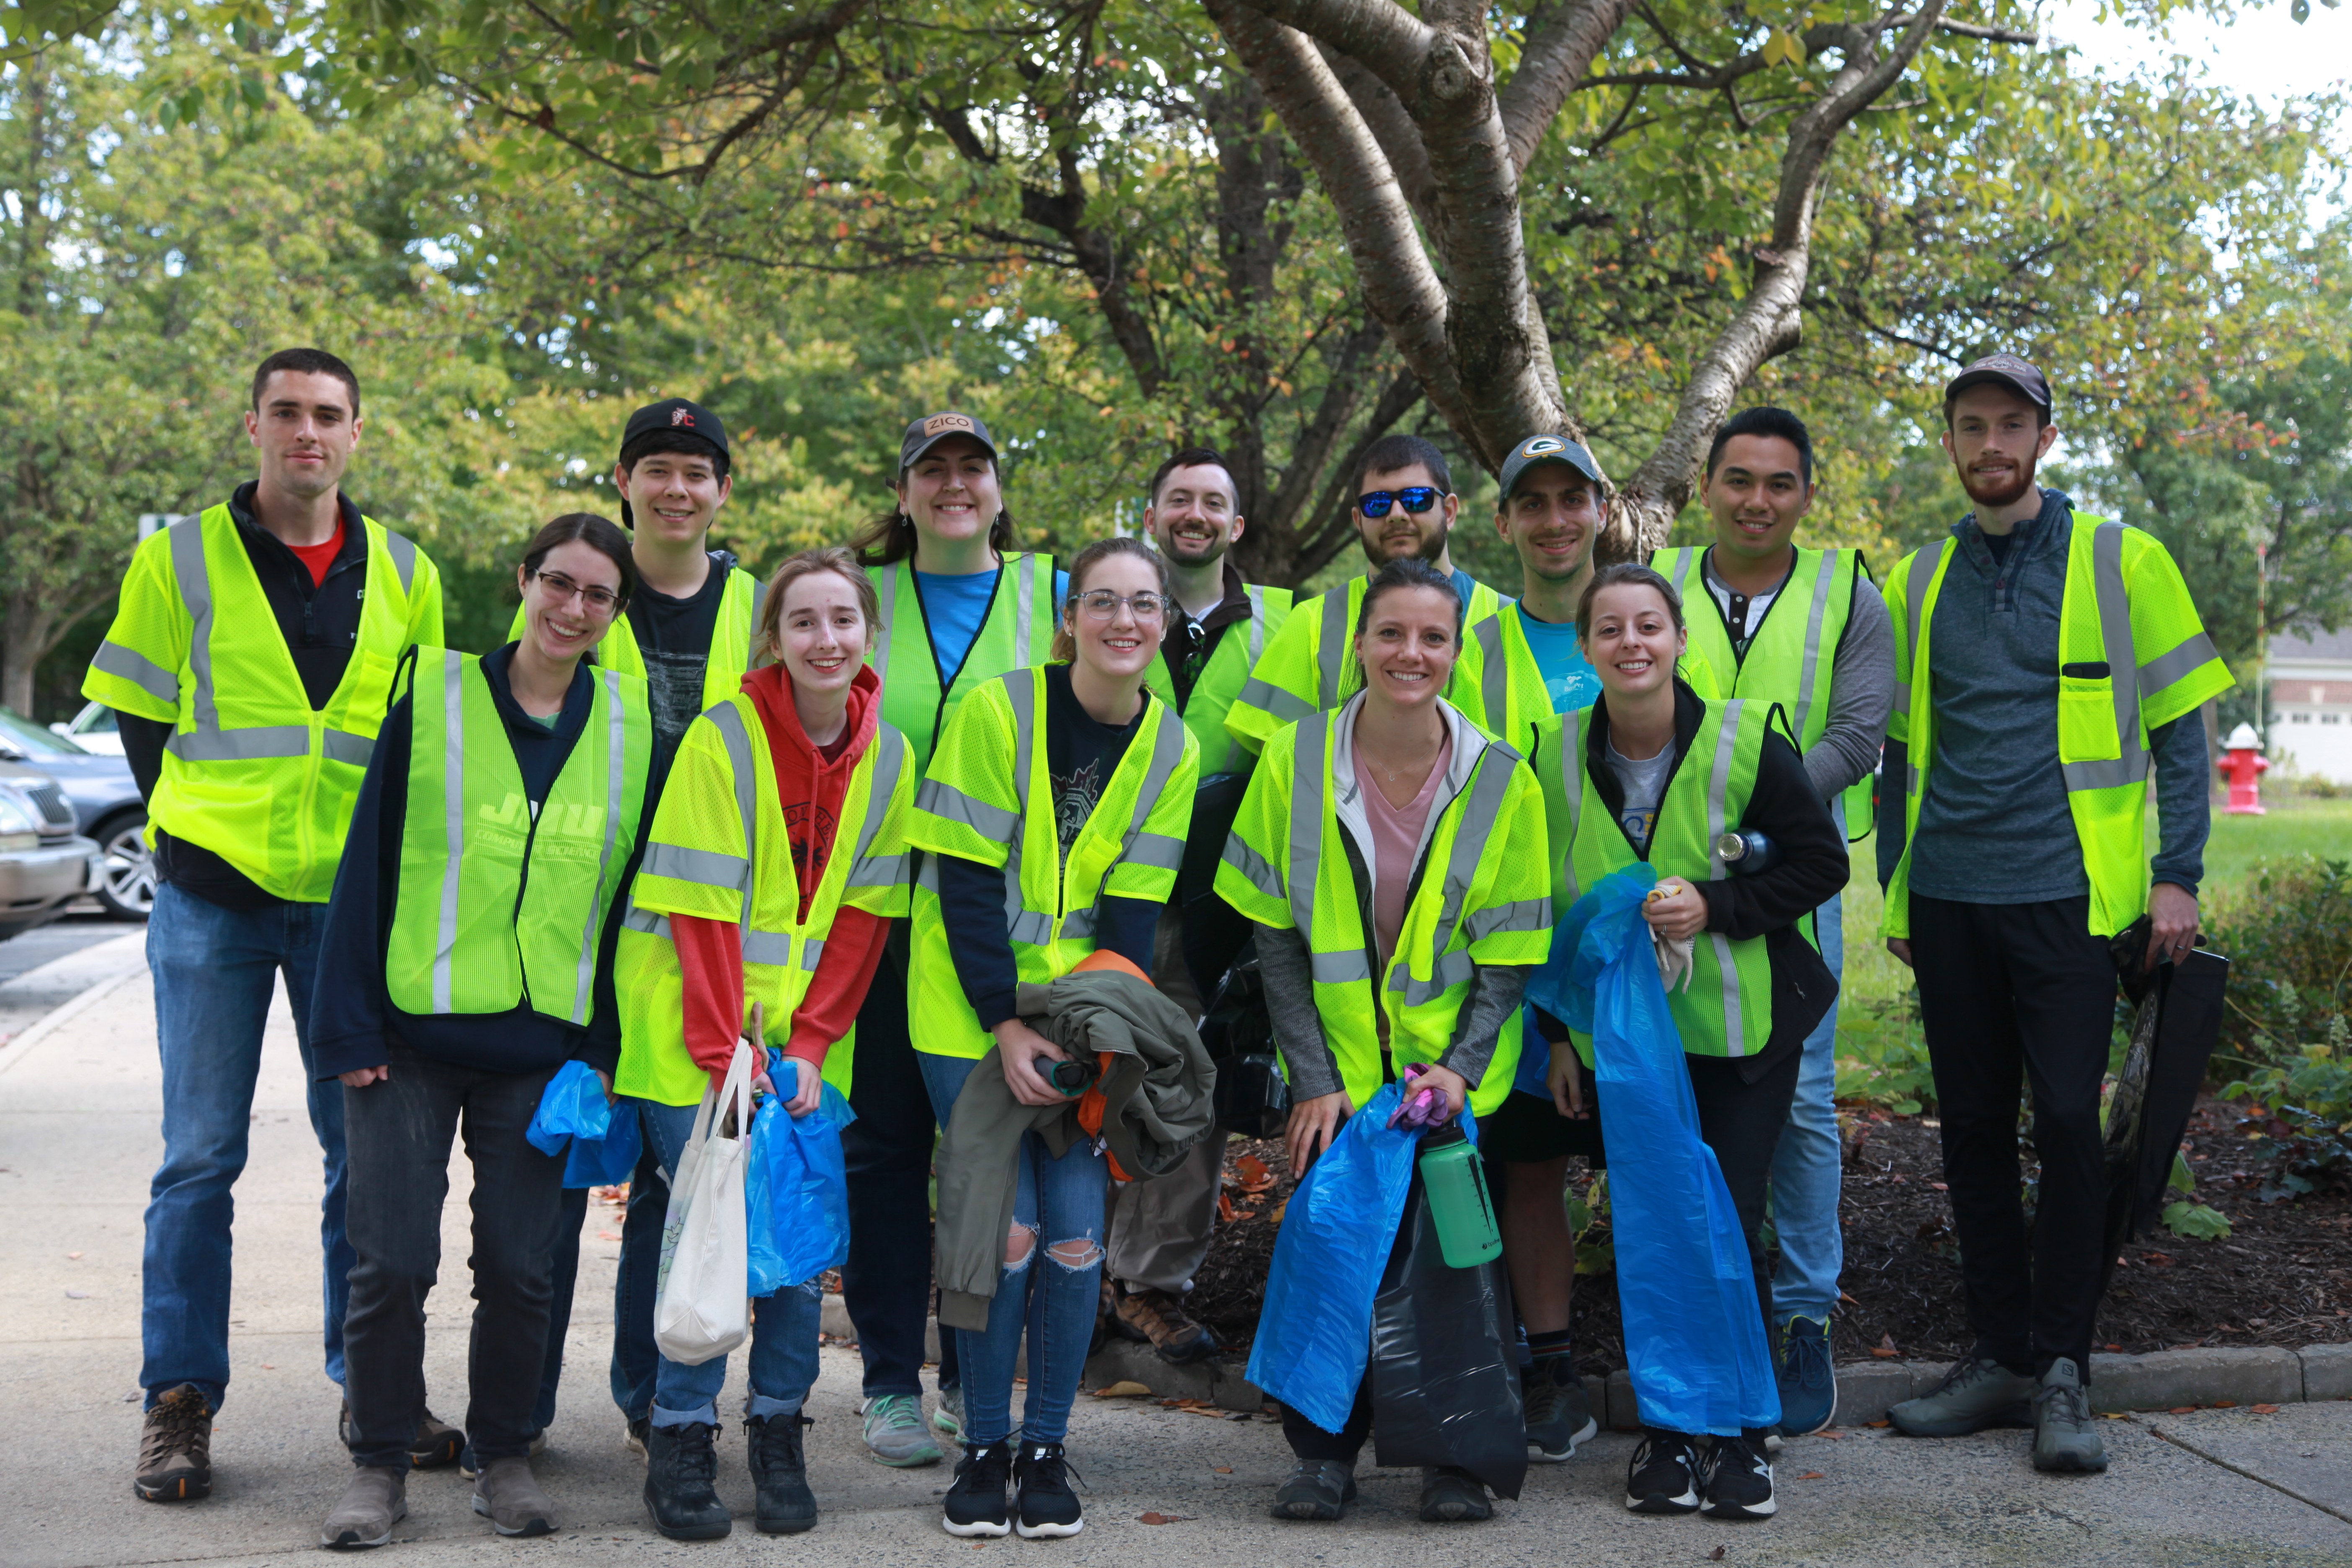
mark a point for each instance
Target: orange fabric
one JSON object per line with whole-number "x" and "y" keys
{"x": 1092, "y": 1104}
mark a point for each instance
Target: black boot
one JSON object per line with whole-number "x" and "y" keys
{"x": 780, "y": 1472}
{"x": 681, "y": 1463}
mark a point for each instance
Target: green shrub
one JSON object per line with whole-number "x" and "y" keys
{"x": 2288, "y": 935}
{"x": 1882, "y": 1054}
{"x": 2305, "y": 1112}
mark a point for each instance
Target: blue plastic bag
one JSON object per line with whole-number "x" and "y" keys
{"x": 573, "y": 1109}
{"x": 1315, "y": 1331}
{"x": 796, "y": 1189}
{"x": 1694, "y": 1342}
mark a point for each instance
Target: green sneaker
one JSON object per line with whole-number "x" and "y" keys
{"x": 2065, "y": 1435}
{"x": 895, "y": 1431}
{"x": 948, "y": 1419}
{"x": 1975, "y": 1394}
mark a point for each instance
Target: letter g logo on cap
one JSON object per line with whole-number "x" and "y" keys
{"x": 1542, "y": 444}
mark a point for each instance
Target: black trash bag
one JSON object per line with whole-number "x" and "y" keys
{"x": 2175, "y": 1029}
{"x": 1253, "y": 1101}
{"x": 1445, "y": 1372}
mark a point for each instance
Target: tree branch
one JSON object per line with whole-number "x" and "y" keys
{"x": 1562, "y": 45}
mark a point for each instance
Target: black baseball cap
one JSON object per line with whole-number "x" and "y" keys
{"x": 674, "y": 416}
{"x": 933, "y": 428}
{"x": 2000, "y": 370}
{"x": 1539, "y": 449}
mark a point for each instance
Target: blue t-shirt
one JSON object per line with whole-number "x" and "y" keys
{"x": 1568, "y": 679}
{"x": 956, "y": 605}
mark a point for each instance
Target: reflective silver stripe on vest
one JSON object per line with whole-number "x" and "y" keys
{"x": 1138, "y": 848}
{"x": 136, "y": 667}
{"x": 1268, "y": 698}
{"x": 1494, "y": 681}
{"x": 453, "y": 810}
{"x": 1718, "y": 791}
{"x": 1252, "y": 866}
{"x": 646, "y": 921}
{"x": 2166, "y": 670}
{"x": 877, "y": 871}
{"x": 1354, "y": 968}
{"x": 886, "y": 589}
{"x": 1684, "y": 559}
{"x": 2133, "y": 763}
{"x": 867, "y": 869}
{"x": 1572, "y": 786}
{"x": 1257, "y": 622}
{"x": 1527, "y": 915}
{"x": 250, "y": 745}
{"x": 727, "y": 719}
{"x": 1455, "y": 968}
{"x": 703, "y": 867}
{"x": 773, "y": 948}
{"x": 811, "y": 951}
{"x": 1025, "y": 612}
{"x": 1157, "y": 850}
{"x": 402, "y": 553}
{"x": 949, "y": 804}
{"x": 615, "y": 767}
{"x": 342, "y": 746}
{"x": 1915, "y": 599}
{"x": 1332, "y": 656}
{"x": 1307, "y": 823}
{"x": 1813, "y": 622}
{"x": 1482, "y": 804}
{"x": 196, "y": 595}
{"x": 1021, "y": 689}
{"x": 758, "y": 599}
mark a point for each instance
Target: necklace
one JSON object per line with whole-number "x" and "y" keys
{"x": 1394, "y": 774}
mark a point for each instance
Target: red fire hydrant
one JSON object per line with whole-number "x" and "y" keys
{"x": 2242, "y": 761}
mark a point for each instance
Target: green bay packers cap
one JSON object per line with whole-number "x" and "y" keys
{"x": 933, "y": 428}
{"x": 1539, "y": 449}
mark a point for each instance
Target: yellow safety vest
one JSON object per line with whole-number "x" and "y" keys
{"x": 1726, "y": 1010}
{"x": 1480, "y": 896}
{"x": 252, "y": 772}
{"x": 919, "y": 696}
{"x": 989, "y": 797}
{"x": 720, "y": 850}
{"x": 731, "y": 640}
{"x": 1512, "y": 699}
{"x": 497, "y": 903}
{"x": 1239, "y": 647}
{"x": 1309, "y": 667}
{"x": 2132, "y": 657}
{"x": 1790, "y": 662}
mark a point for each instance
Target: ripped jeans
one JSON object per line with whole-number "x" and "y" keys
{"x": 1058, "y": 1209}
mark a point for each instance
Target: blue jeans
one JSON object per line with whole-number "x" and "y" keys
{"x": 1805, "y": 1168}
{"x": 215, "y": 971}
{"x": 783, "y": 1326}
{"x": 1059, "y": 1204}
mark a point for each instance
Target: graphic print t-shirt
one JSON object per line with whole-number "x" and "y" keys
{"x": 1644, "y": 784}
{"x": 675, "y": 637}
{"x": 1081, "y": 754}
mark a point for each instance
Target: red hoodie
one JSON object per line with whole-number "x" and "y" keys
{"x": 811, "y": 782}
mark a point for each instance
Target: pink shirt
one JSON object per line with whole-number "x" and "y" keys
{"x": 1396, "y": 835}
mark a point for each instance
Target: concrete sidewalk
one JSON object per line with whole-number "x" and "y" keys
{"x": 78, "y": 1140}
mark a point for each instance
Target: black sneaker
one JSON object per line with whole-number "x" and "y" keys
{"x": 1048, "y": 1508}
{"x": 1559, "y": 1414}
{"x": 1663, "y": 1476}
{"x": 975, "y": 1504}
{"x": 1315, "y": 1489}
{"x": 1738, "y": 1481}
{"x": 780, "y": 1472}
{"x": 1450, "y": 1494}
{"x": 681, "y": 1475}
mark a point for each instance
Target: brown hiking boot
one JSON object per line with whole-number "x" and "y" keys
{"x": 435, "y": 1445}
{"x": 175, "y": 1448}
{"x": 1158, "y": 1317}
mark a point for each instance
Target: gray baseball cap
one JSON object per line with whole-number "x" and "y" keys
{"x": 2000, "y": 370}
{"x": 933, "y": 428}
{"x": 1539, "y": 449}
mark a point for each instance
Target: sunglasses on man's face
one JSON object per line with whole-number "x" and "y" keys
{"x": 1196, "y": 649}
{"x": 1414, "y": 499}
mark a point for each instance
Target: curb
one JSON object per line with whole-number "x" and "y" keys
{"x": 64, "y": 1013}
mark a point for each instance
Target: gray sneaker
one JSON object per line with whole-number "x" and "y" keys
{"x": 1975, "y": 1394}
{"x": 374, "y": 1500}
{"x": 948, "y": 1419}
{"x": 895, "y": 1431}
{"x": 510, "y": 1498}
{"x": 2064, "y": 1437}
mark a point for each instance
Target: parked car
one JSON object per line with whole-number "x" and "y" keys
{"x": 106, "y": 807}
{"x": 93, "y": 730}
{"x": 44, "y": 865}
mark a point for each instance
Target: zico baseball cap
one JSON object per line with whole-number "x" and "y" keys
{"x": 1539, "y": 449}
{"x": 2000, "y": 370}
{"x": 678, "y": 416}
{"x": 933, "y": 428}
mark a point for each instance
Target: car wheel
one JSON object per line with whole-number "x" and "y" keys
{"x": 127, "y": 889}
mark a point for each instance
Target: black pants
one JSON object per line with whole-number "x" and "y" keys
{"x": 887, "y": 1151}
{"x": 2006, "y": 992}
{"x": 399, "y": 1133}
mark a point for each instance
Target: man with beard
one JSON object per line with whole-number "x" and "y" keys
{"x": 1161, "y": 1229}
{"x": 1405, "y": 506}
{"x": 2047, "y": 663}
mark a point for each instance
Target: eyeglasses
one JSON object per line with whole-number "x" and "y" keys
{"x": 1415, "y": 499}
{"x": 599, "y": 601}
{"x": 1196, "y": 650}
{"x": 1101, "y": 605}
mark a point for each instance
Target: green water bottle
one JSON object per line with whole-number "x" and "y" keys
{"x": 1458, "y": 1203}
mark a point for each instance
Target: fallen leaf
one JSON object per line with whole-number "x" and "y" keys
{"x": 1884, "y": 1349}
{"x": 1881, "y": 1423}
{"x": 1125, "y": 1388}
{"x": 1228, "y": 1469}
{"x": 2225, "y": 1404}
{"x": 268, "y": 1366}
{"x": 1273, "y": 1216}
{"x": 1255, "y": 1177}
{"x": 1158, "y": 1518}
{"x": 1245, "y": 1216}
{"x": 1813, "y": 1475}
{"x": 73, "y": 1255}
{"x": 2182, "y": 1410}
{"x": 1226, "y": 1210}
{"x": 2265, "y": 1409}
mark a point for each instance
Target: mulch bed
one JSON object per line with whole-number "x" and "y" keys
{"x": 2283, "y": 1277}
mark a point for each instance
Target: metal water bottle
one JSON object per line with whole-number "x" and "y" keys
{"x": 1746, "y": 852}
{"x": 1459, "y": 1204}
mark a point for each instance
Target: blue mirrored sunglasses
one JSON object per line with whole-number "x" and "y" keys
{"x": 1416, "y": 499}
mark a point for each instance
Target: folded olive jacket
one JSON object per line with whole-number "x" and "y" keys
{"x": 1159, "y": 1100}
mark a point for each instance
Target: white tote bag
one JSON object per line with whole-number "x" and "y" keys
{"x": 702, "y": 1306}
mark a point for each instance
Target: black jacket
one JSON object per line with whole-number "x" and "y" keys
{"x": 319, "y": 626}
{"x": 1813, "y": 869}
{"x": 351, "y": 1015}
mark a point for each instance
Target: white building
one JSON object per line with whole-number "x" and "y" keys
{"x": 2311, "y": 703}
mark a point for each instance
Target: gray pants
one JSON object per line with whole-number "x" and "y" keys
{"x": 1160, "y": 1229}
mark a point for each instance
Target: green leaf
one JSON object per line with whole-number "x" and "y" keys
{"x": 2195, "y": 1221}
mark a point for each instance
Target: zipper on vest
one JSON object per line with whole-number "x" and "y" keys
{"x": 522, "y": 886}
